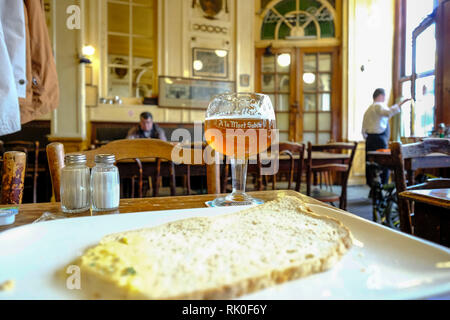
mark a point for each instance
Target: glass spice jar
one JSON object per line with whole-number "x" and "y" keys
{"x": 105, "y": 183}
{"x": 75, "y": 184}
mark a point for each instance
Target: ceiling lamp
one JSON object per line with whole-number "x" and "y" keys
{"x": 221, "y": 53}
{"x": 309, "y": 78}
{"x": 284, "y": 60}
{"x": 198, "y": 65}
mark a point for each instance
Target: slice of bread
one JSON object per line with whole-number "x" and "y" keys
{"x": 215, "y": 258}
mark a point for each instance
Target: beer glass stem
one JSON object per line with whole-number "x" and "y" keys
{"x": 239, "y": 176}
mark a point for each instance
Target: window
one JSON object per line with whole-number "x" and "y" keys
{"x": 417, "y": 65}
{"x": 298, "y": 19}
{"x": 424, "y": 62}
{"x": 131, "y": 49}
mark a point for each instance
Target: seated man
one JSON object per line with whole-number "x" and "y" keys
{"x": 147, "y": 129}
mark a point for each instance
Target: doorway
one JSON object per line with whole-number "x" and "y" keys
{"x": 304, "y": 86}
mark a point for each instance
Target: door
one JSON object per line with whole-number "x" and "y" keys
{"x": 276, "y": 77}
{"x": 304, "y": 88}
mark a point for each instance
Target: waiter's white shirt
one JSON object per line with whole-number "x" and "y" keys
{"x": 376, "y": 118}
{"x": 12, "y": 64}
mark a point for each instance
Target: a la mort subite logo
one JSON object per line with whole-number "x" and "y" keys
{"x": 238, "y": 142}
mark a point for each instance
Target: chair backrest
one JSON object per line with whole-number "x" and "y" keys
{"x": 13, "y": 176}
{"x": 296, "y": 153}
{"x": 138, "y": 149}
{"x": 344, "y": 168}
{"x": 424, "y": 148}
{"x": 401, "y": 152}
{"x": 30, "y": 148}
{"x": 336, "y": 147}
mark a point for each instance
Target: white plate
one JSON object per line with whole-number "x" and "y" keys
{"x": 384, "y": 264}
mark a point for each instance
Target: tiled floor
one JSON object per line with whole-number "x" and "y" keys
{"x": 358, "y": 201}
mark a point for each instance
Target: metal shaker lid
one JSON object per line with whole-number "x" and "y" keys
{"x": 75, "y": 159}
{"x": 105, "y": 158}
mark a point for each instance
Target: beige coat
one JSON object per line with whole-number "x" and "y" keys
{"x": 42, "y": 80}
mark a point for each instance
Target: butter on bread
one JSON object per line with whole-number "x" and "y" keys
{"x": 218, "y": 257}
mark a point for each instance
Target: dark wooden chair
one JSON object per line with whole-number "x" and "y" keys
{"x": 31, "y": 149}
{"x": 410, "y": 152}
{"x": 291, "y": 165}
{"x": 343, "y": 168}
{"x": 139, "y": 149}
{"x": 429, "y": 217}
{"x": 13, "y": 176}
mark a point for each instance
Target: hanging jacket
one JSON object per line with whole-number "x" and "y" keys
{"x": 42, "y": 90}
{"x": 12, "y": 64}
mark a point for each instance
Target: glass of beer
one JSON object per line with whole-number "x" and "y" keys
{"x": 239, "y": 126}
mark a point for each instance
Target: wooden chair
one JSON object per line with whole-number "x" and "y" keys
{"x": 344, "y": 168}
{"x": 399, "y": 154}
{"x": 31, "y": 149}
{"x": 296, "y": 154}
{"x": 185, "y": 172}
{"x": 138, "y": 149}
{"x": 13, "y": 177}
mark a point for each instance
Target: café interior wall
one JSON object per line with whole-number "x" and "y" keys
{"x": 370, "y": 57}
{"x": 176, "y": 38}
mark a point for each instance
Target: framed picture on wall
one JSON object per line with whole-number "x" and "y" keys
{"x": 190, "y": 93}
{"x": 209, "y": 63}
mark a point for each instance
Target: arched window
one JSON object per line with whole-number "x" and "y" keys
{"x": 298, "y": 19}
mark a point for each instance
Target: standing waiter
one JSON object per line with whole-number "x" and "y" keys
{"x": 376, "y": 130}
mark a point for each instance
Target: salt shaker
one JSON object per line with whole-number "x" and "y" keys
{"x": 105, "y": 183}
{"x": 75, "y": 189}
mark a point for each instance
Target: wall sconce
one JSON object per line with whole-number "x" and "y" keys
{"x": 268, "y": 51}
{"x": 87, "y": 52}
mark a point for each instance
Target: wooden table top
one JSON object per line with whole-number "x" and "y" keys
{"x": 432, "y": 160}
{"x": 388, "y": 154}
{"x": 30, "y": 212}
{"x": 434, "y": 197}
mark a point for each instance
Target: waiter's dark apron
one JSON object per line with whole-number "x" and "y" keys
{"x": 373, "y": 143}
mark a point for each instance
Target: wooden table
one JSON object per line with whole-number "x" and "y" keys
{"x": 431, "y": 161}
{"x": 30, "y": 212}
{"x": 431, "y": 214}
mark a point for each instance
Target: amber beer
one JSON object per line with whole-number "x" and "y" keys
{"x": 239, "y": 137}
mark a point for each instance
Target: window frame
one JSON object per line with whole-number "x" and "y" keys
{"x": 105, "y": 64}
{"x": 400, "y": 48}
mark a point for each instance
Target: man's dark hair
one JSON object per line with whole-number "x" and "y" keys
{"x": 146, "y": 115}
{"x": 378, "y": 93}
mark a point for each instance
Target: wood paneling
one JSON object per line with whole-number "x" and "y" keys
{"x": 109, "y": 131}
